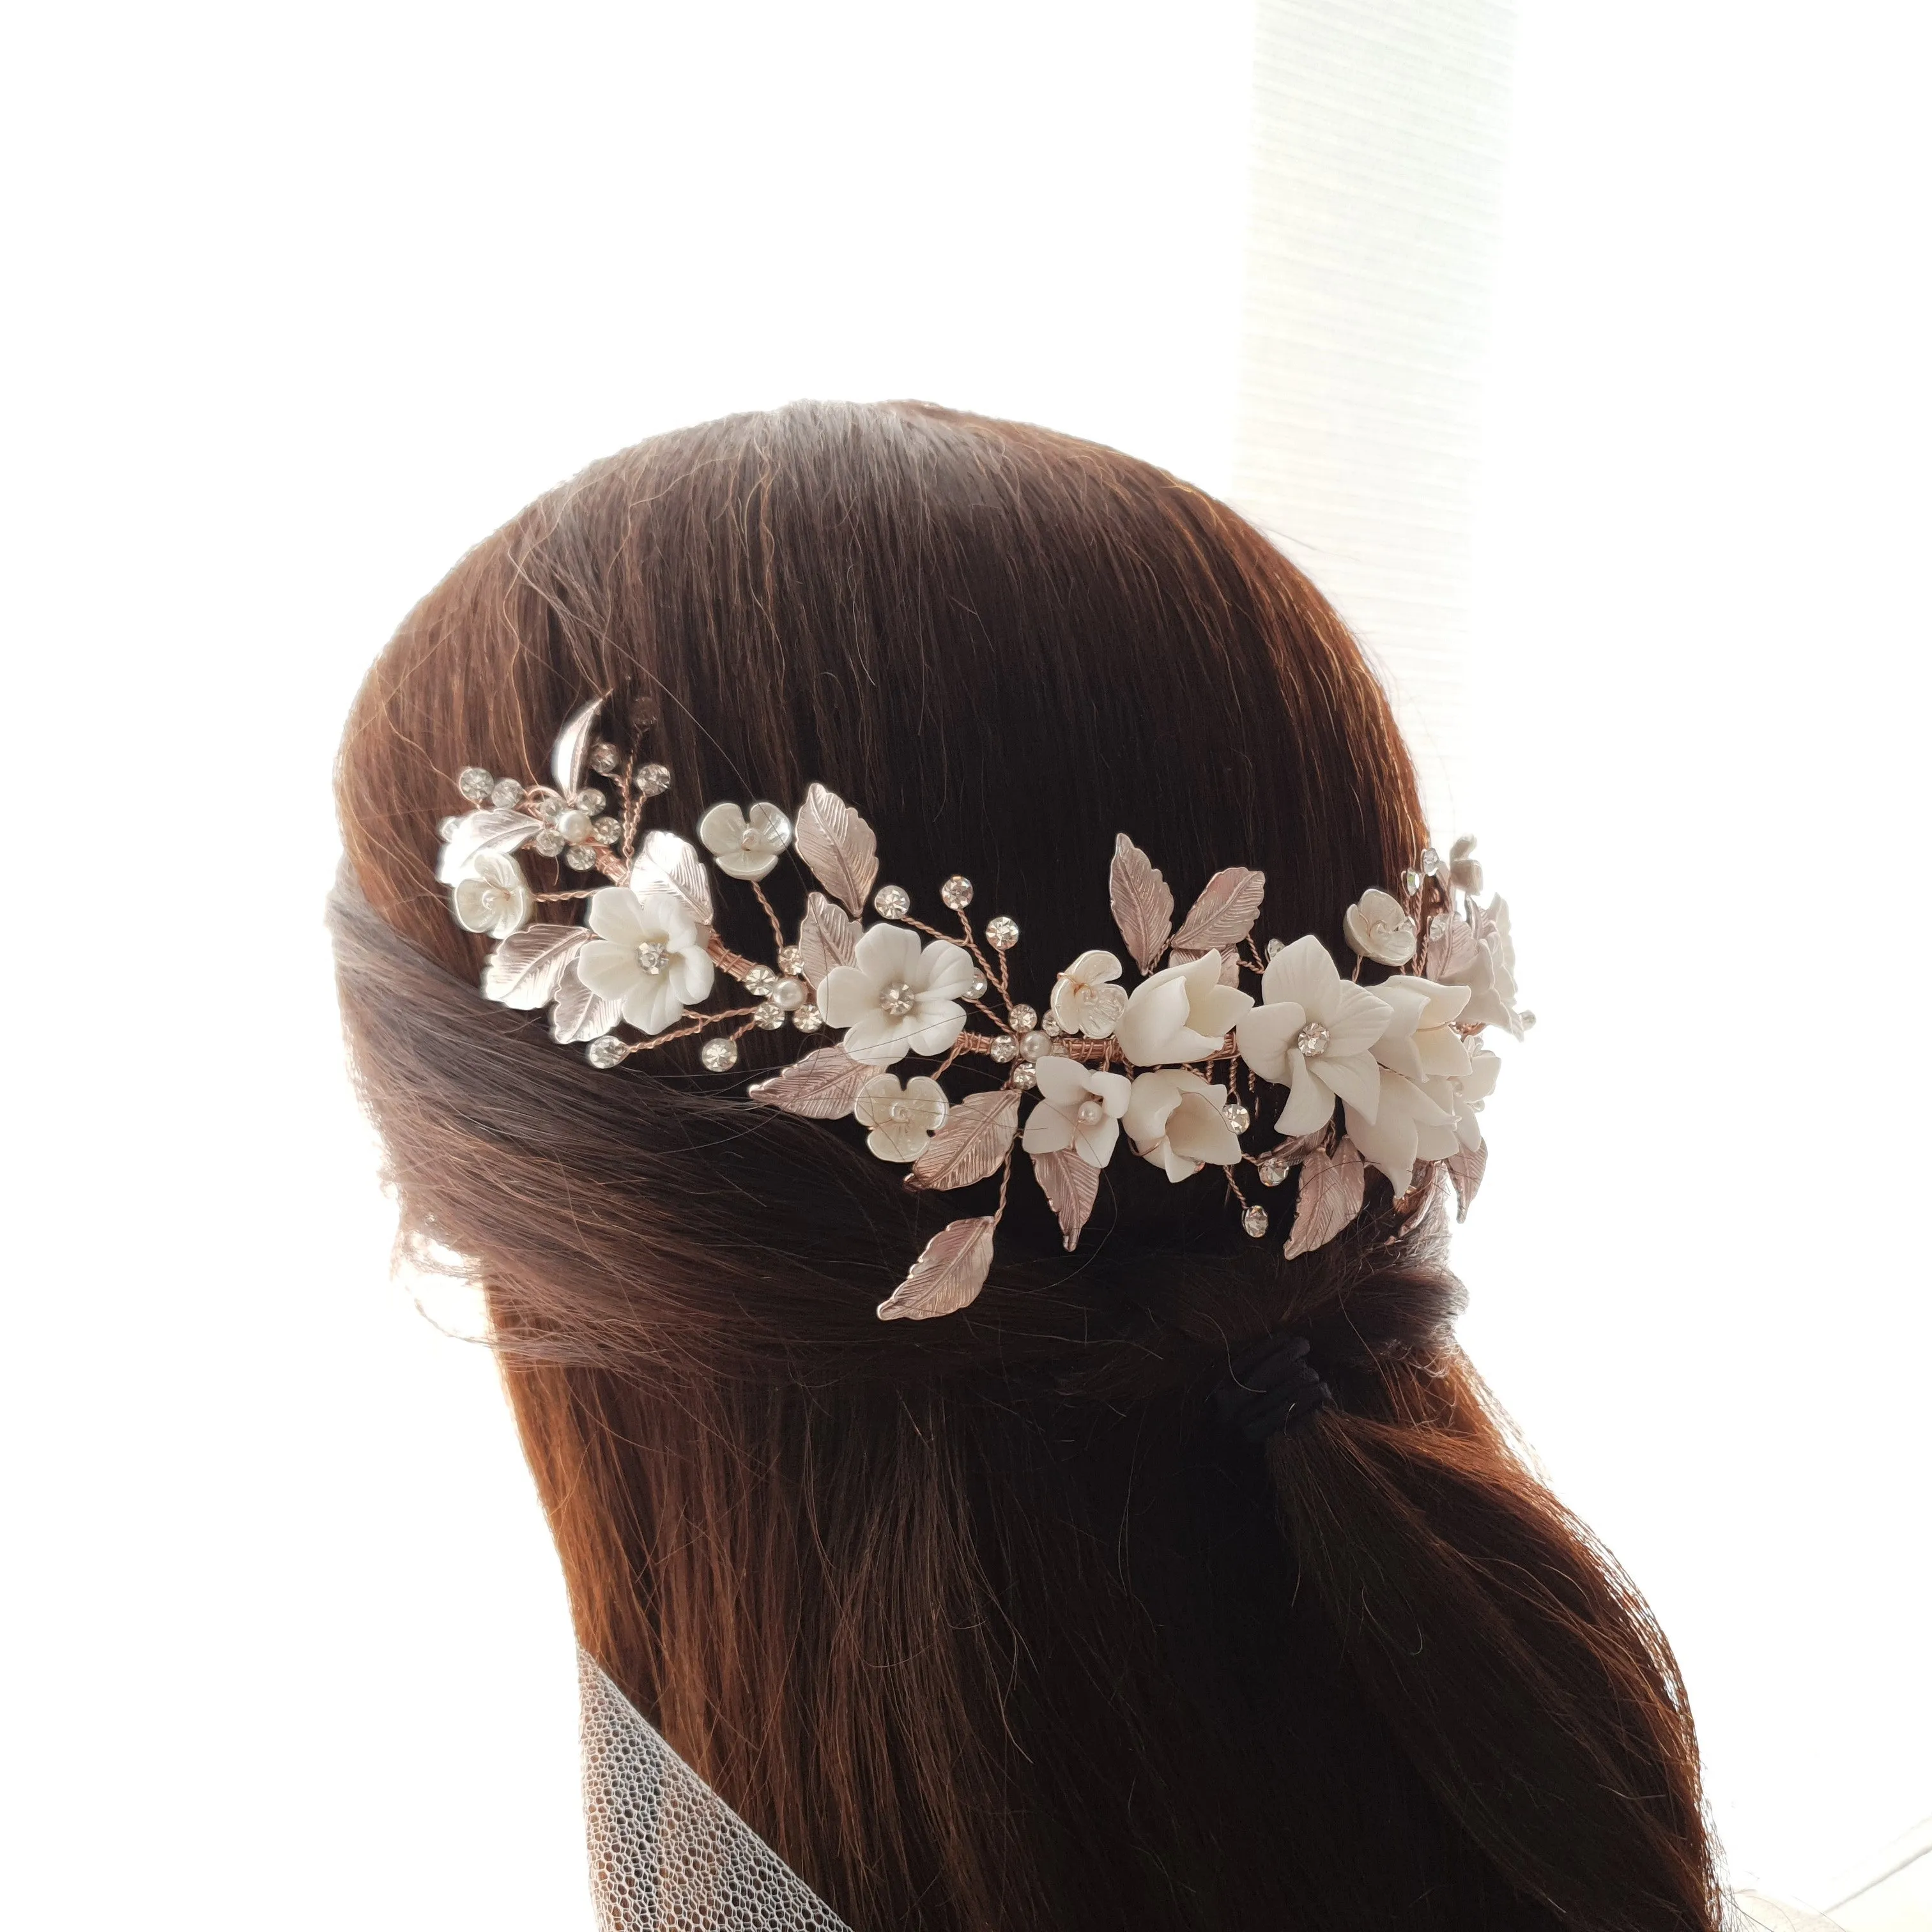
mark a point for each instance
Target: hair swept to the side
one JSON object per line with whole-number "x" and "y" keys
{"x": 983, "y": 1622}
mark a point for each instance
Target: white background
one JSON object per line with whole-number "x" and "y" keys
{"x": 304, "y": 300}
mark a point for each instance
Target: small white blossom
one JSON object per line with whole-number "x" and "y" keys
{"x": 493, "y": 897}
{"x": 1174, "y": 1119}
{"x": 1420, "y": 1041}
{"x": 1312, "y": 1032}
{"x": 745, "y": 846}
{"x": 1405, "y": 1126}
{"x": 1463, "y": 1099}
{"x": 1079, "y": 1107}
{"x": 1379, "y": 927}
{"x": 1085, "y": 998}
{"x": 897, "y": 998}
{"x": 902, "y": 1119}
{"x": 646, "y": 956}
{"x": 1183, "y": 1013}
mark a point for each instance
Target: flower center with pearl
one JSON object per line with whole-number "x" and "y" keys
{"x": 1313, "y": 1038}
{"x": 1090, "y": 1113}
{"x": 897, "y": 1000}
{"x": 653, "y": 956}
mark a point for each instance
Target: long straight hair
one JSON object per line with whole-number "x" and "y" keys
{"x": 983, "y": 1622}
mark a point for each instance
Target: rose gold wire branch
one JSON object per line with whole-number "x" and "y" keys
{"x": 778, "y": 931}
{"x": 735, "y": 964}
{"x": 557, "y": 898}
{"x": 1006, "y": 1181}
{"x": 703, "y": 1023}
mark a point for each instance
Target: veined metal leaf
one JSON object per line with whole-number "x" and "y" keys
{"x": 577, "y": 1013}
{"x": 489, "y": 831}
{"x": 1224, "y": 915}
{"x": 951, "y": 1270}
{"x": 823, "y": 1086}
{"x": 666, "y": 863}
{"x": 1070, "y": 1185}
{"x": 1466, "y": 1167}
{"x": 524, "y": 971}
{"x": 827, "y": 936}
{"x": 973, "y": 1142}
{"x": 839, "y": 846}
{"x": 1422, "y": 1191}
{"x": 1142, "y": 901}
{"x": 568, "y": 755}
{"x": 1330, "y": 1196}
{"x": 1451, "y": 947}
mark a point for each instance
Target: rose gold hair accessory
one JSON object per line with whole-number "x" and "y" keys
{"x": 1179, "y": 1062}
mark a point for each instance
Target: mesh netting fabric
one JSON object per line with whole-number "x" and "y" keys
{"x": 667, "y": 1853}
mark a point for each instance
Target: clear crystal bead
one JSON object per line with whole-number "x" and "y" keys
{"x": 1254, "y": 1222}
{"x": 1051, "y": 1026}
{"x": 1023, "y": 1019}
{"x": 1411, "y": 883}
{"x": 653, "y": 956}
{"x": 549, "y": 841}
{"x": 607, "y": 1051}
{"x": 760, "y": 981}
{"x": 1002, "y": 934}
{"x": 957, "y": 892}
{"x": 588, "y": 800}
{"x": 1036, "y": 1045}
{"x": 892, "y": 902}
{"x": 768, "y": 1014}
{"x": 548, "y": 806}
{"x": 789, "y": 994}
{"x": 475, "y": 783}
{"x": 580, "y": 858}
{"x": 1272, "y": 1172}
{"x": 1313, "y": 1038}
{"x": 897, "y": 1000}
{"x": 1432, "y": 860}
{"x": 791, "y": 961}
{"x": 808, "y": 1018}
{"x": 976, "y": 988}
{"x": 1024, "y": 1076}
{"x": 719, "y": 1056}
{"x": 505, "y": 793}
{"x": 607, "y": 831}
{"x": 1006, "y": 1048}
{"x": 653, "y": 780}
{"x": 1275, "y": 946}
{"x": 448, "y": 829}
{"x": 606, "y": 759}
{"x": 1237, "y": 1116}
{"x": 1526, "y": 1019}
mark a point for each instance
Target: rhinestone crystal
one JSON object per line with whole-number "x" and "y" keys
{"x": 719, "y": 1056}
{"x": 897, "y": 1000}
{"x": 768, "y": 1015}
{"x": 1023, "y": 1076}
{"x": 606, "y": 759}
{"x": 605, "y": 1052}
{"x": 653, "y": 956}
{"x": 1411, "y": 883}
{"x": 957, "y": 893}
{"x": 580, "y": 858}
{"x": 588, "y": 800}
{"x": 892, "y": 902}
{"x": 506, "y": 792}
{"x": 1275, "y": 946}
{"x": 760, "y": 981}
{"x": 1051, "y": 1026}
{"x": 791, "y": 961}
{"x": 653, "y": 780}
{"x": 1006, "y": 1048}
{"x": 607, "y": 831}
{"x": 1002, "y": 934}
{"x": 1313, "y": 1038}
{"x": 1023, "y": 1019}
{"x": 1237, "y": 1116}
{"x": 808, "y": 1018}
{"x": 1432, "y": 860}
{"x": 548, "y": 806}
{"x": 1272, "y": 1173}
{"x": 549, "y": 841}
{"x": 1254, "y": 1222}
{"x": 474, "y": 782}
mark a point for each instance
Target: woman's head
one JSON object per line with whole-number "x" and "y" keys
{"x": 985, "y": 1620}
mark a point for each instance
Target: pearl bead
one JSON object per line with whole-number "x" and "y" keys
{"x": 789, "y": 994}
{"x": 574, "y": 826}
{"x": 1090, "y": 1113}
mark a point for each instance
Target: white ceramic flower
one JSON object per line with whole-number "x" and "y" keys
{"x": 646, "y": 956}
{"x": 1405, "y": 1126}
{"x": 902, "y": 1119}
{"x": 493, "y": 897}
{"x": 745, "y": 845}
{"x": 1078, "y": 1107}
{"x": 1312, "y": 1033}
{"x": 1183, "y": 1013}
{"x": 1173, "y": 1119}
{"x": 1463, "y": 1099}
{"x": 1378, "y": 927}
{"x": 1420, "y": 1042}
{"x": 1085, "y": 998}
{"x": 895, "y": 998}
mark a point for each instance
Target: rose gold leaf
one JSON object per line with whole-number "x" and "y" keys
{"x": 823, "y": 1086}
{"x": 1224, "y": 914}
{"x": 1289, "y": 1152}
{"x": 1142, "y": 902}
{"x": 579, "y": 1014}
{"x": 478, "y": 832}
{"x": 572, "y": 748}
{"x": 1466, "y": 1167}
{"x": 523, "y": 972}
{"x": 827, "y": 937}
{"x": 1451, "y": 948}
{"x": 951, "y": 1270}
{"x": 839, "y": 846}
{"x": 1331, "y": 1189}
{"x": 971, "y": 1144}
{"x": 666, "y": 863}
{"x": 1070, "y": 1185}
{"x": 1421, "y": 1195}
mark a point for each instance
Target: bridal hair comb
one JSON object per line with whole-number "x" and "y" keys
{"x": 1179, "y": 1061}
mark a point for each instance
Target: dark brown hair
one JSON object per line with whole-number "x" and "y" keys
{"x": 985, "y": 1622}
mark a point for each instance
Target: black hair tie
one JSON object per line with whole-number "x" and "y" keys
{"x": 1270, "y": 1387}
